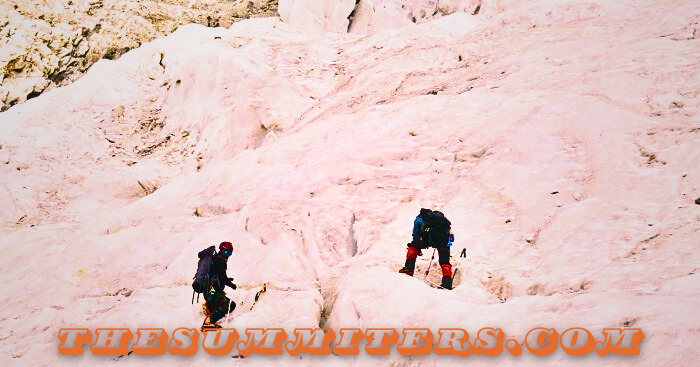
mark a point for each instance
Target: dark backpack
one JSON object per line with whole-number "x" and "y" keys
{"x": 437, "y": 229}
{"x": 202, "y": 277}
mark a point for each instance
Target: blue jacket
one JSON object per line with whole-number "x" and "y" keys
{"x": 417, "y": 224}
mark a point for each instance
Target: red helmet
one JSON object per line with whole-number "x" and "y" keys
{"x": 226, "y": 246}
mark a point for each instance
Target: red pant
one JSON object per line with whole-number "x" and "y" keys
{"x": 443, "y": 258}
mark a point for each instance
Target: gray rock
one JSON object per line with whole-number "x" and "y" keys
{"x": 44, "y": 46}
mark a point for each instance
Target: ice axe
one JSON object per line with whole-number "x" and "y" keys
{"x": 462, "y": 254}
{"x": 257, "y": 295}
{"x": 429, "y": 264}
{"x": 228, "y": 307}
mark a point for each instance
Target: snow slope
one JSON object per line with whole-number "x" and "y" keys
{"x": 561, "y": 139}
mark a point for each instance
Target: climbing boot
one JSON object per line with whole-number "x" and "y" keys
{"x": 408, "y": 268}
{"x": 446, "y": 283}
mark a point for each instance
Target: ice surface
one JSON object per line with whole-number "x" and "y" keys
{"x": 560, "y": 138}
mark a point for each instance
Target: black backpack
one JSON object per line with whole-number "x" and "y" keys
{"x": 202, "y": 277}
{"x": 437, "y": 229}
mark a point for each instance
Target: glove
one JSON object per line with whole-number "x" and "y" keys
{"x": 233, "y": 287}
{"x": 231, "y": 306}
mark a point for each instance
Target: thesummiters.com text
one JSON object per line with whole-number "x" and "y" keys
{"x": 377, "y": 341}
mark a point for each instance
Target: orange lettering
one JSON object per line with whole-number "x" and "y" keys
{"x": 184, "y": 342}
{"x": 249, "y": 346}
{"x": 514, "y": 347}
{"x": 155, "y": 342}
{"x": 72, "y": 341}
{"x": 453, "y": 341}
{"x": 380, "y": 346}
{"x": 570, "y": 348}
{"x": 615, "y": 342}
{"x": 111, "y": 342}
{"x": 412, "y": 338}
{"x": 318, "y": 342}
{"x": 495, "y": 345}
{"x": 546, "y": 341}
{"x": 212, "y": 343}
{"x": 349, "y": 339}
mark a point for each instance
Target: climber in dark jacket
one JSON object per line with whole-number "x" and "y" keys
{"x": 415, "y": 247}
{"x": 218, "y": 268}
{"x": 431, "y": 229}
{"x": 217, "y": 305}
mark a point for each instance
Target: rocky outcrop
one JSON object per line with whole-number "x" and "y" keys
{"x": 53, "y": 43}
{"x": 368, "y": 16}
{"x": 317, "y": 15}
{"x": 372, "y": 16}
